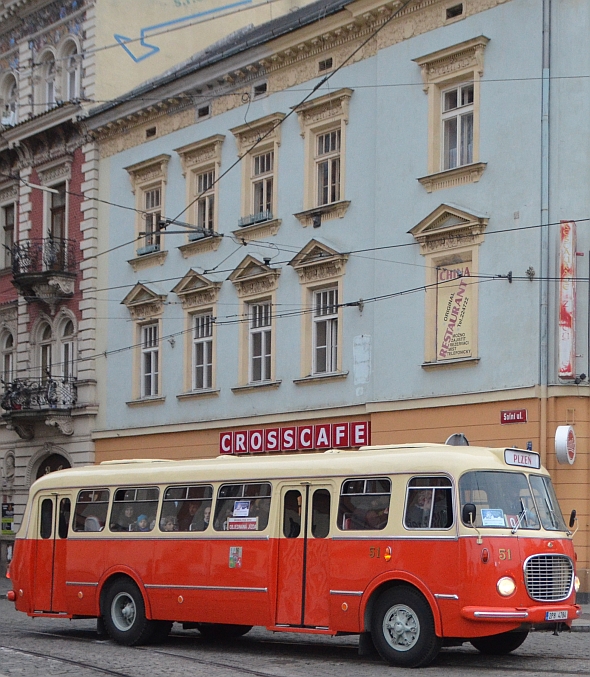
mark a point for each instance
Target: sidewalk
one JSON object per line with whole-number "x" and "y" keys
{"x": 581, "y": 624}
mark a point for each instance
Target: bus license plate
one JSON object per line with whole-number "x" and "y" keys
{"x": 556, "y": 615}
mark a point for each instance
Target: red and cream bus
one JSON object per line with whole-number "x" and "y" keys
{"x": 418, "y": 546}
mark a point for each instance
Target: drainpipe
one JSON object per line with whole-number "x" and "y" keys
{"x": 544, "y": 305}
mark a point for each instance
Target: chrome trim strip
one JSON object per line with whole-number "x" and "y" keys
{"x": 204, "y": 587}
{"x": 94, "y": 585}
{"x": 351, "y": 593}
{"x": 442, "y": 596}
{"x": 501, "y": 614}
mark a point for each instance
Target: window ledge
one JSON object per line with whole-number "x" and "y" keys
{"x": 198, "y": 394}
{"x": 325, "y": 212}
{"x": 146, "y": 401}
{"x": 249, "y": 387}
{"x": 462, "y": 362}
{"x": 148, "y": 260}
{"x": 258, "y": 231}
{"x": 205, "y": 244}
{"x": 318, "y": 378}
{"x": 453, "y": 177}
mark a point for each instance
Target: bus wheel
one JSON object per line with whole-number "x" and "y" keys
{"x": 402, "y": 628}
{"x": 221, "y": 631}
{"x": 124, "y": 614}
{"x": 498, "y": 645}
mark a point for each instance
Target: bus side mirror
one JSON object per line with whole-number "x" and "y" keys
{"x": 469, "y": 513}
{"x": 572, "y": 518}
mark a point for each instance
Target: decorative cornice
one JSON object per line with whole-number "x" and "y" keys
{"x": 65, "y": 424}
{"x": 317, "y": 261}
{"x": 196, "y": 290}
{"x": 200, "y": 246}
{"x": 268, "y": 127}
{"x": 257, "y": 231}
{"x": 335, "y": 210}
{"x": 200, "y": 152}
{"x": 55, "y": 170}
{"x": 154, "y": 169}
{"x": 449, "y": 227}
{"x": 328, "y": 107}
{"x": 450, "y": 178}
{"x": 148, "y": 260}
{"x": 142, "y": 302}
{"x": 9, "y": 193}
{"x": 252, "y": 277}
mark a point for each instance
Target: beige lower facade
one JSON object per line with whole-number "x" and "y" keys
{"x": 416, "y": 421}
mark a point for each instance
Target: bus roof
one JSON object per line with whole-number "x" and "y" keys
{"x": 375, "y": 460}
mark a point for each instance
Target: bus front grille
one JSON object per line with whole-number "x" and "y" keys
{"x": 549, "y": 578}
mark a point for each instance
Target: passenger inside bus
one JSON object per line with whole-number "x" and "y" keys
{"x": 124, "y": 521}
{"x": 201, "y": 518}
{"x": 143, "y": 523}
{"x": 419, "y": 508}
{"x": 292, "y": 514}
{"x": 186, "y": 515}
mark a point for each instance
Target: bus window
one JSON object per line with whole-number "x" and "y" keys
{"x": 134, "y": 509}
{"x": 91, "y": 510}
{"x": 186, "y": 508}
{"x": 292, "y": 514}
{"x": 320, "y": 513}
{"x": 242, "y": 507}
{"x": 46, "y": 518}
{"x": 64, "y": 517}
{"x": 429, "y": 503}
{"x": 503, "y": 499}
{"x": 364, "y": 504}
{"x": 547, "y": 505}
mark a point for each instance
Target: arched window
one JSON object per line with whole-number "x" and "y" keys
{"x": 9, "y": 97}
{"x": 47, "y": 93}
{"x": 45, "y": 350}
{"x": 7, "y": 345}
{"x": 67, "y": 350}
{"x": 71, "y": 71}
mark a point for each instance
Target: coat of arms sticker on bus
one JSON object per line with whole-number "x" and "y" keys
{"x": 235, "y": 557}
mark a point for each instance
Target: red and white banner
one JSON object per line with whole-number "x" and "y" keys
{"x": 567, "y": 300}
{"x": 296, "y": 438}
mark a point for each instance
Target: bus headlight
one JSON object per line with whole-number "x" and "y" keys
{"x": 576, "y": 584}
{"x": 506, "y": 586}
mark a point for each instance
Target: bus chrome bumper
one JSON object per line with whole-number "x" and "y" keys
{"x": 562, "y": 613}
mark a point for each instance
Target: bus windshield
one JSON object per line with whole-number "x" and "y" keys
{"x": 502, "y": 499}
{"x": 549, "y": 511}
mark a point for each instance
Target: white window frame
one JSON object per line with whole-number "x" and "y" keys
{"x": 7, "y": 242}
{"x": 459, "y": 115}
{"x": 325, "y": 317}
{"x": 67, "y": 350}
{"x": 152, "y": 215}
{"x": 46, "y": 351}
{"x": 328, "y": 149}
{"x": 8, "y": 356}
{"x": 205, "y": 207}
{"x": 202, "y": 350}
{"x": 9, "y": 98}
{"x": 71, "y": 60}
{"x": 262, "y": 181}
{"x": 149, "y": 360}
{"x": 260, "y": 329}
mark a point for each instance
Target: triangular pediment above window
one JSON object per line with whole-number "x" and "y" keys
{"x": 448, "y": 227}
{"x": 144, "y": 302}
{"x": 196, "y": 290}
{"x": 254, "y": 277}
{"x": 318, "y": 261}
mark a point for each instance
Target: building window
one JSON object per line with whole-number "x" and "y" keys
{"x": 262, "y": 181}
{"x": 48, "y": 72}
{"x": 150, "y": 352}
{"x": 205, "y": 194}
{"x": 71, "y": 72}
{"x": 57, "y": 213}
{"x": 45, "y": 351}
{"x": 325, "y": 331}
{"x": 7, "y": 357}
{"x": 328, "y": 167}
{"x": 202, "y": 351}
{"x": 8, "y": 215}
{"x": 152, "y": 204}
{"x": 9, "y": 101}
{"x": 67, "y": 350}
{"x": 323, "y": 123}
{"x": 457, "y": 126}
{"x": 260, "y": 315}
{"x": 452, "y": 79}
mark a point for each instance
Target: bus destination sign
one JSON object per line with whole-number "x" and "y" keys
{"x": 526, "y": 459}
{"x": 296, "y": 438}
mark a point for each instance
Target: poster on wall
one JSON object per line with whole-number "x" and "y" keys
{"x": 454, "y": 338}
{"x": 567, "y": 299}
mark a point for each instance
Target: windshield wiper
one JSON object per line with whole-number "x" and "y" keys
{"x": 552, "y": 514}
{"x": 522, "y": 517}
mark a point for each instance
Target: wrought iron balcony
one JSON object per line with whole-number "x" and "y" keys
{"x": 39, "y": 395}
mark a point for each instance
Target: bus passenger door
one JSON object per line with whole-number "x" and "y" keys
{"x": 51, "y": 553}
{"x": 303, "y": 589}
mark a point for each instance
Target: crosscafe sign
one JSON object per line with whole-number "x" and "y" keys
{"x": 296, "y": 438}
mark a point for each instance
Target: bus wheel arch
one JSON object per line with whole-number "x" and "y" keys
{"x": 403, "y": 627}
{"x": 109, "y": 578}
{"x": 123, "y": 609}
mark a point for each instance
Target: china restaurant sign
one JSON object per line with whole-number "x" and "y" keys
{"x": 296, "y": 438}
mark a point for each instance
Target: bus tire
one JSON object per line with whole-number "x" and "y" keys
{"x": 124, "y": 614}
{"x": 402, "y": 628}
{"x": 499, "y": 645}
{"x": 222, "y": 631}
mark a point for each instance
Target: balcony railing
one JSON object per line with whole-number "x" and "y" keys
{"x": 47, "y": 255}
{"x": 39, "y": 394}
